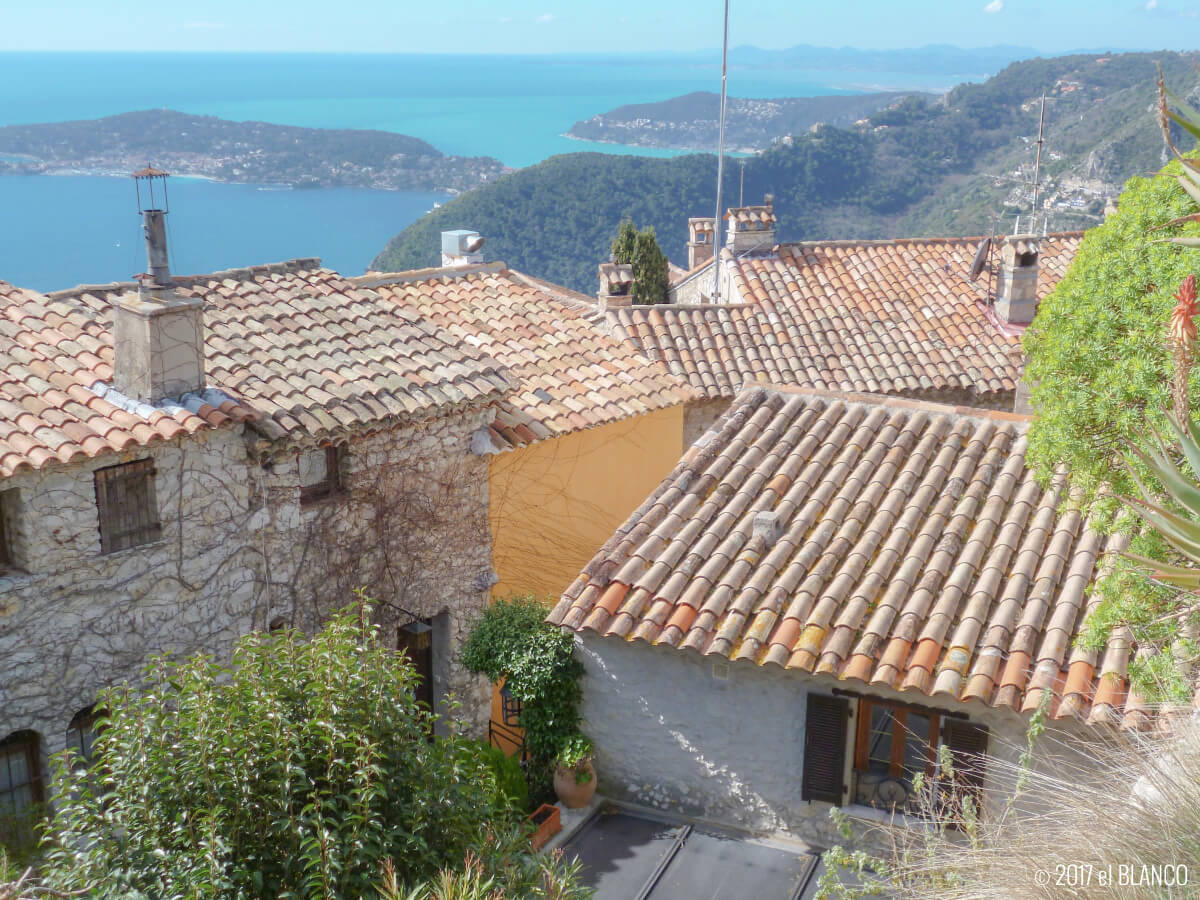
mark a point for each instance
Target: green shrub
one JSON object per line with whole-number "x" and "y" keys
{"x": 510, "y": 777}
{"x": 512, "y": 641}
{"x": 294, "y": 772}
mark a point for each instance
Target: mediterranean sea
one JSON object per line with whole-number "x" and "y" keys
{"x": 62, "y": 230}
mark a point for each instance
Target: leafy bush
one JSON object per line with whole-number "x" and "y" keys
{"x": 294, "y": 772}
{"x": 513, "y": 642}
{"x": 510, "y": 778}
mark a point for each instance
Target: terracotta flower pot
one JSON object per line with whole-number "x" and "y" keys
{"x": 548, "y": 819}
{"x": 570, "y": 791}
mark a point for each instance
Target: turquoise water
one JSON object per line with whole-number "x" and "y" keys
{"x": 56, "y": 232}
{"x": 59, "y": 231}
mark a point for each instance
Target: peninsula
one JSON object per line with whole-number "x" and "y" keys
{"x": 690, "y": 122}
{"x": 245, "y": 152}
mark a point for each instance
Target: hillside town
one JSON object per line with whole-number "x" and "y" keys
{"x": 830, "y": 567}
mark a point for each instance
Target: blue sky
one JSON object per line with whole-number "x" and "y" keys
{"x": 576, "y": 26}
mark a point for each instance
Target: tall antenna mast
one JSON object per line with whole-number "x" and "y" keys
{"x": 742, "y": 186}
{"x": 1037, "y": 165}
{"x": 720, "y": 161}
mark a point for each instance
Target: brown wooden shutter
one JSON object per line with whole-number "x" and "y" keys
{"x": 968, "y": 743}
{"x": 825, "y": 748}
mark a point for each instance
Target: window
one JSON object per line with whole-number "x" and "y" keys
{"x": 893, "y": 745}
{"x": 126, "y": 505}
{"x": 81, "y": 734}
{"x": 8, "y": 511}
{"x": 320, "y": 473}
{"x": 701, "y": 237}
{"x": 20, "y": 782}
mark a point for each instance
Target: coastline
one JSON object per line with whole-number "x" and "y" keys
{"x": 741, "y": 151}
{"x": 212, "y": 179}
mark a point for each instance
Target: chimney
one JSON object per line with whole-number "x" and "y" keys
{"x": 1017, "y": 282}
{"x": 701, "y": 235}
{"x": 461, "y": 248}
{"x": 158, "y": 338}
{"x": 616, "y": 285}
{"x": 751, "y": 227}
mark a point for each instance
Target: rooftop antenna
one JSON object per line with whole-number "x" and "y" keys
{"x": 742, "y": 186}
{"x": 1037, "y": 166}
{"x": 720, "y": 159}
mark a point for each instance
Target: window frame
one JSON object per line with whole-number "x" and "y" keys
{"x": 860, "y": 759}
{"x": 332, "y": 486}
{"x": 29, "y": 744}
{"x": 118, "y": 487}
{"x": 8, "y": 556}
{"x": 82, "y": 723}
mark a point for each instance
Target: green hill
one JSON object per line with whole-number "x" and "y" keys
{"x": 921, "y": 167}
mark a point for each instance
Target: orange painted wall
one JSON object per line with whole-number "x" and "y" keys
{"x": 554, "y": 503}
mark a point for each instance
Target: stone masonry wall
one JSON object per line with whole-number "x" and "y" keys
{"x": 410, "y": 529}
{"x": 724, "y": 742}
{"x": 80, "y": 620}
{"x": 239, "y": 552}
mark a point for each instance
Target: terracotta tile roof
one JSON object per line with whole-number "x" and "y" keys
{"x": 753, "y": 216}
{"x": 569, "y": 374}
{"x": 890, "y": 541}
{"x": 312, "y": 353}
{"x": 52, "y": 411}
{"x": 877, "y": 316}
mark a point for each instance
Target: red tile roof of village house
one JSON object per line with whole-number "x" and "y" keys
{"x": 292, "y": 347}
{"x": 311, "y": 353}
{"x": 50, "y": 358}
{"x": 889, "y": 317}
{"x": 884, "y": 540}
{"x": 569, "y": 374}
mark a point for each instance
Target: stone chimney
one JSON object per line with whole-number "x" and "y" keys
{"x": 616, "y": 285}
{"x": 751, "y": 227}
{"x": 158, "y": 338}
{"x": 461, "y": 248}
{"x": 701, "y": 237}
{"x": 1017, "y": 281}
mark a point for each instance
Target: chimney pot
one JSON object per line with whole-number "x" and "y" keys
{"x": 158, "y": 338}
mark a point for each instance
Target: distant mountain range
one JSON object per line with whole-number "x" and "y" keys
{"x": 959, "y": 164}
{"x": 249, "y": 152}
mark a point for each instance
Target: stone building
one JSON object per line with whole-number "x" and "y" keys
{"x": 827, "y": 589}
{"x": 323, "y": 444}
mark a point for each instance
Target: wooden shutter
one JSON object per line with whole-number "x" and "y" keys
{"x": 825, "y": 748}
{"x": 126, "y": 505}
{"x": 968, "y": 748}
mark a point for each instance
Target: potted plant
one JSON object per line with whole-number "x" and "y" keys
{"x": 547, "y": 822}
{"x": 574, "y": 774}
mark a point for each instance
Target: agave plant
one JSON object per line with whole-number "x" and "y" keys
{"x": 1180, "y": 529}
{"x": 1188, "y": 119}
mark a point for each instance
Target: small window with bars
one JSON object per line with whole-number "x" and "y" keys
{"x": 126, "y": 505}
{"x": 20, "y": 782}
{"x": 320, "y": 473}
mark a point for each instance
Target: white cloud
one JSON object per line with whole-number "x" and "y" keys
{"x": 1151, "y": 5}
{"x": 994, "y": 7}
{"x": 544, "y": 19}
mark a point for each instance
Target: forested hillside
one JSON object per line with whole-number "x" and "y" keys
{"x": 918, "y": 168}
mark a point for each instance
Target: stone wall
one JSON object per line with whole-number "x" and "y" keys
{"x": 80, "y": 620}
{"x": 410, "y": 529}
{"x": 724, "y": 742}
{"x": 239, "y": 552}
